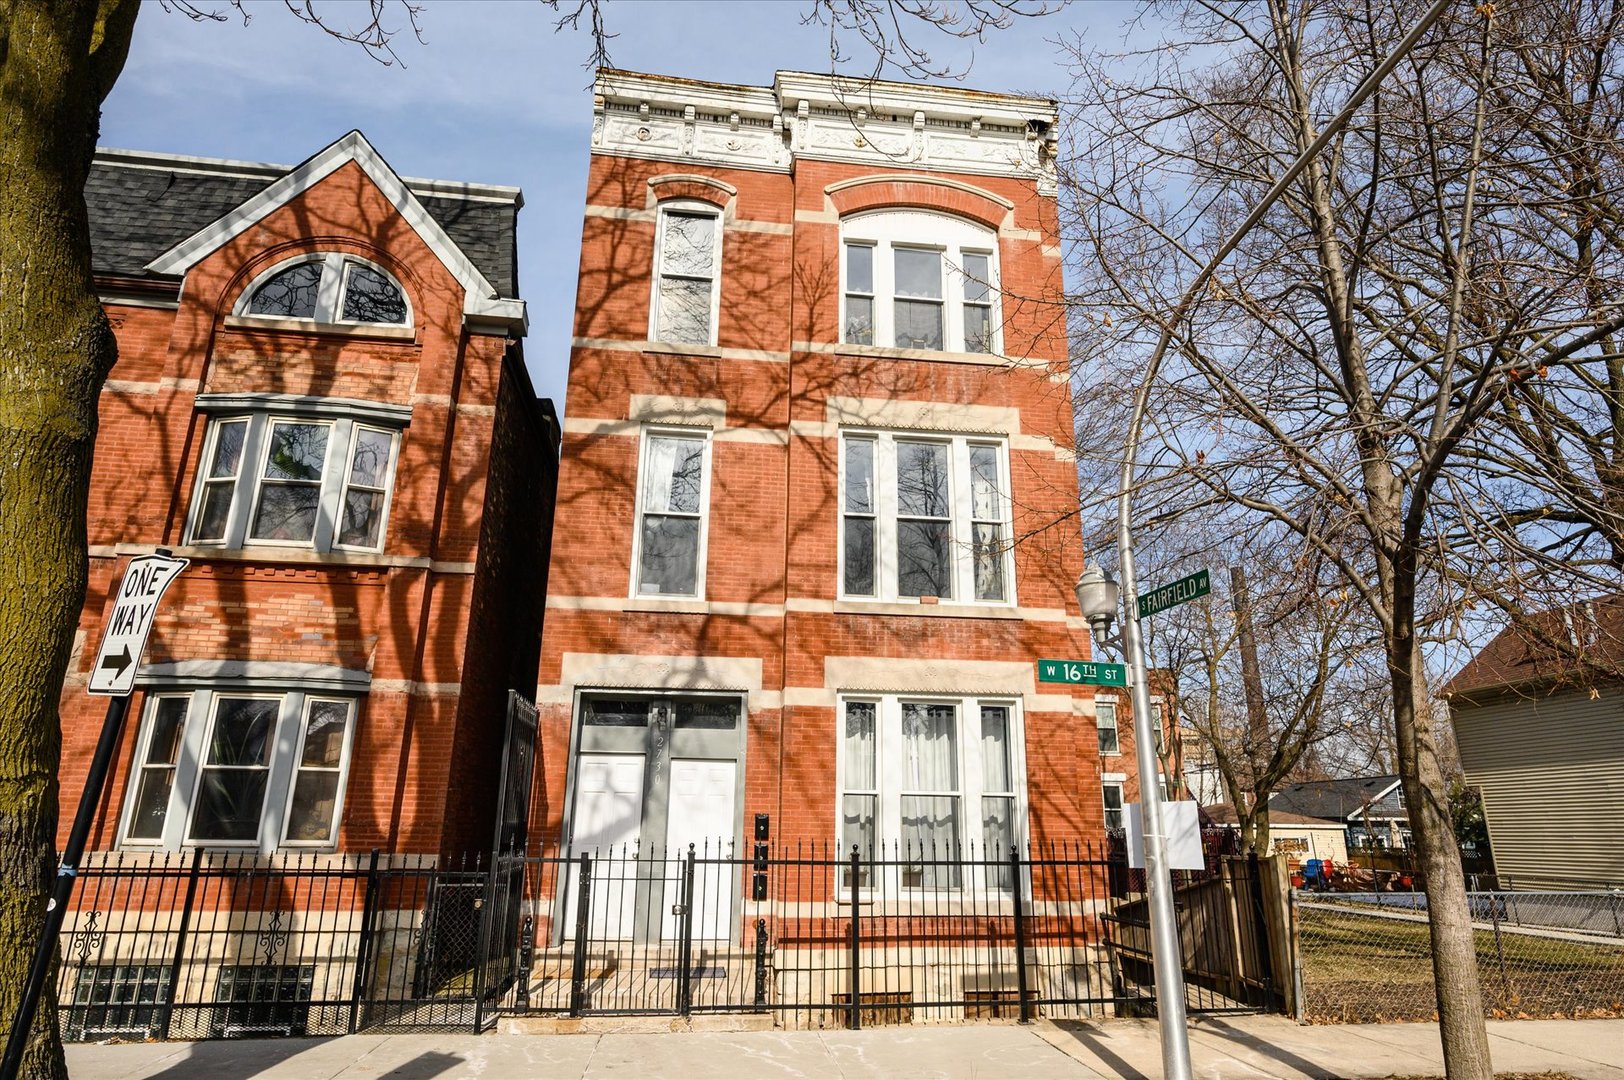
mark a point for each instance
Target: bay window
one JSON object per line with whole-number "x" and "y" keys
{"x": 924, "y": 516}
{"x": 319, "y": 479}
{"x": 929, "y": 786}
{"x": 919, "y": 280}
{"x": 222, "y": 768}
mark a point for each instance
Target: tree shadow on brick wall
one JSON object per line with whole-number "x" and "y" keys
{"x": 787, "y": 398}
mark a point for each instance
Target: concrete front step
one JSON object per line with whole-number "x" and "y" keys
{"x": 632, "y": 1025}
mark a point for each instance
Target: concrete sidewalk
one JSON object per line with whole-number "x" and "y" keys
{"x": 1232, "y": 1047}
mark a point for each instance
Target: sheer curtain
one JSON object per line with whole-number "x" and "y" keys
{"x": 930, "y": 822}
{"x": 860, "y": 781}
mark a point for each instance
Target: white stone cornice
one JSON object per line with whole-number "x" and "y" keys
{"x": 881, "y": 124}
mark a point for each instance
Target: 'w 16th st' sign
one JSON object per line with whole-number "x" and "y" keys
{"x": 1082, "y": 673}
{"x": 1180, "y": 591}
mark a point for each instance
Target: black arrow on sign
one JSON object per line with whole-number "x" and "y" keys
{"x": 118, "y": 663}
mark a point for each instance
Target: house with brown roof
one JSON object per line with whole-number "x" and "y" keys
{"x": 1539, "y": 718}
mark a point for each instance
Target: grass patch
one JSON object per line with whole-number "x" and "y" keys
{"x": 1369, "y": 969}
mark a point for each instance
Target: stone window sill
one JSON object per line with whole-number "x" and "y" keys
{"x": 309, "y": 326}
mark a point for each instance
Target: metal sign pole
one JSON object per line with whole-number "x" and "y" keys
{"x": 57, "y": 908}
{"x": 112, "y": 675}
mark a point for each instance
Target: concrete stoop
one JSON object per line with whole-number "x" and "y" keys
{"x": 632, "y": 1025}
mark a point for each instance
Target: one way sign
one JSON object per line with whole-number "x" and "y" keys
{"x": 126, "y": 638}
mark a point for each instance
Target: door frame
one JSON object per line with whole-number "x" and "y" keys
{"x": 706, "y": 744}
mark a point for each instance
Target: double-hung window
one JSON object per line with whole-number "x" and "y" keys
{"x": 673, "y": 500}
{"x": 1105, "y": 722}
{"x": 320, "y": 480}
{"x": 1111, "y": 795}
{"x": 929, "y": 787}
{"x": 223, "y": 768}
{"x": 918, "y": 280}
{"x": 687, "y": 264}
{"x": 924, "y": 515}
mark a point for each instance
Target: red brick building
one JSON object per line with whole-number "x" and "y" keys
{"x": 321, "y": 401}
{"x": 818, "y": 482}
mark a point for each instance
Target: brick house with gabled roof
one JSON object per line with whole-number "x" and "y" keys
{"x": 321, "y": 401}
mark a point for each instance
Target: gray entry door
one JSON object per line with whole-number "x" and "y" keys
{"x": 687, "y": 749}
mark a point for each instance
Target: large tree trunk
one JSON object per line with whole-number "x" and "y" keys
{"x": 1454, "y": 952}
{"x": 57, "y": 62}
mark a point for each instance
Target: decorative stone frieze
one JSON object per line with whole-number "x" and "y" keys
{"x": 825, "y": 118}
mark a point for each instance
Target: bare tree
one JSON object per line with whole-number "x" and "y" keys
{"x": 1271, "y": 667}
{"x": 1356, "y": 363}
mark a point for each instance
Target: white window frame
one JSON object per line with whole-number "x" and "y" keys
{"x": 297, "y": 766}
{"x": 953, "y": 237}
{"x": 1120, "y": 782}
{"x": 689, "y": 207}
{"x": 888, "y": 773}
{"x": 335, "y": 280}
{"x": 961, "y": 529}
{"x": 287, "y": 746}
{"x": 139, "y": 766}
{"x": 645, "y": 437}
{"x": 1115, "y": 726}
{"x": 247, "y": 485}
{"x": 277, "y": 738}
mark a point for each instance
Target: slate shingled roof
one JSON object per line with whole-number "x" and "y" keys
{"x": 1337, "y": 800}
{"x": 141, "y": 205}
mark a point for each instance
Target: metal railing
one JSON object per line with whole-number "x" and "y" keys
{"x": 821, "y": 937}
{"x": 207, "y": 945}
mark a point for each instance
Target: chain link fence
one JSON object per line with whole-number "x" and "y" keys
{"x": 1367, "y": 958}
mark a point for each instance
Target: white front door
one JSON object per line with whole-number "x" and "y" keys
{"x": 608, "y": 815}
{"x": 702, "y": 814}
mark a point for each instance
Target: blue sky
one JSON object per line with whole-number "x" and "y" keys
{"x": 494, "y": 95}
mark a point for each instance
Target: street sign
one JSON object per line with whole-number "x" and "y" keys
{"x": 113, "y": 673}
{"x": 1082, "y": 673}
{"x": 1180, "y": 591}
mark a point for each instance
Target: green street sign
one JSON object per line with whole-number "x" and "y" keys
{"x": 1082, "y": 673}
{"x": 1180, "y": 591}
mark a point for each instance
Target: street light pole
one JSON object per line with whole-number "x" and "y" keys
{"x": 1163, "y": 928}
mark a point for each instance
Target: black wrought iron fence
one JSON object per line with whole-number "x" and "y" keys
{"x": 209, "y": 945}
{"x": 203, "y": 945}
{"x": 821, "y": 937}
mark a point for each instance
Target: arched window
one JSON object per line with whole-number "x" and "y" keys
{"x": 329, "y": 288}
{"x": 918, "y": 280}
{"x": 687, "y": 260}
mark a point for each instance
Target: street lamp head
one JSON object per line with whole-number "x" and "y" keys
{"x": 1098, "y": 597}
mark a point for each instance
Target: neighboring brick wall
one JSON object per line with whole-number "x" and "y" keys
{"x": 509, "y": 600}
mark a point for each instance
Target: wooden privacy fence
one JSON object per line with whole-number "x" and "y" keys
{"x": 1234, "y": 936}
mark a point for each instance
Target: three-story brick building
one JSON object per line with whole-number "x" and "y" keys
{"x": 818, "y": 491}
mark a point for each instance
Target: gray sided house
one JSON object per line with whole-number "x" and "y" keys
{"x": 1542, "y": 739}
